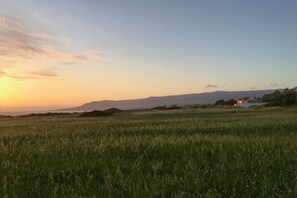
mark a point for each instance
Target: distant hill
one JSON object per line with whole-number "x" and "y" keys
{"x": 180, "y": 100}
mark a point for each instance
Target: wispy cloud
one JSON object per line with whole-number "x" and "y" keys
{"x": 29, "y": 75}
{"x": 2, "y": 74}
{"x": 44, "y": 74}
{"x": 72, "y": 58}
{"x": 211, "y": 86}
{"x": 20, "y": 42}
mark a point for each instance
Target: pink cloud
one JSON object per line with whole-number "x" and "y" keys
{"x": 20, "y": 42}
{"x": 211, "y": 86}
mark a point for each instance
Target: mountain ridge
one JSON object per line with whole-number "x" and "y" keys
{"x": 181, "y": 100}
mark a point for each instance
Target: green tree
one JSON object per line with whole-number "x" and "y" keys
{"x": 287, "y": 97}
{"x": 219, "y": 103}
{"x": 230, "y": 102}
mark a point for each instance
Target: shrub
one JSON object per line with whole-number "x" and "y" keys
{"x": 285, "y": 98}
{"x": 97, "y": 113}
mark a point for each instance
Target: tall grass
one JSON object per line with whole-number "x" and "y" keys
{"x": 176, "y": 153}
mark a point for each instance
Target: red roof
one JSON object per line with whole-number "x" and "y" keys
{"x": 244, "y": 98}
{"x": 247, "y": 99}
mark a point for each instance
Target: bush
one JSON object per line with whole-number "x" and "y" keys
{"x": 285, "y": 98}
{"x": 230, "y": 102}
{"x": 167, "y": 108}
{"x": 205, "y": 106}
{"x": 173, "y": 107}
{"x": 97, "y": 113}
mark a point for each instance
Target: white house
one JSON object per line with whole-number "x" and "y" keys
{"x": 246, "y": 102}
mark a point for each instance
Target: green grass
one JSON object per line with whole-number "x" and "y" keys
{"x": 175, "y": 153}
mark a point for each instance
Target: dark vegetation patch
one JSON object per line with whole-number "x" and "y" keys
{"x": 287, "y": 97}
{"x": 199, "y": 106}
{"x": 167, "y": 108}
{"x": 229, "y": 103}
{"x": 97, "y": 113}
{"x": 46, "y": 114}
{"x": 4, "y": 116}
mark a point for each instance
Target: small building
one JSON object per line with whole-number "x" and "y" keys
{"x": 246, "y": 102}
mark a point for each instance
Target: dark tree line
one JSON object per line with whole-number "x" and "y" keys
{"x": 225, "y": 103}
{"x": 287, "y": 97}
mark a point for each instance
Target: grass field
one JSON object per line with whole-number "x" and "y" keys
{"x": 176, "y": 153}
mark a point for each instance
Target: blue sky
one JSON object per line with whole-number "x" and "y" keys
{"x": 167, "y": 47}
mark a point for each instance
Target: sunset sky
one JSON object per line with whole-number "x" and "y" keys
{"x": 63, "y": 53}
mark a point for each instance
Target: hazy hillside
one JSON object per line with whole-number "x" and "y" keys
{"x": 187, "y": 99}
